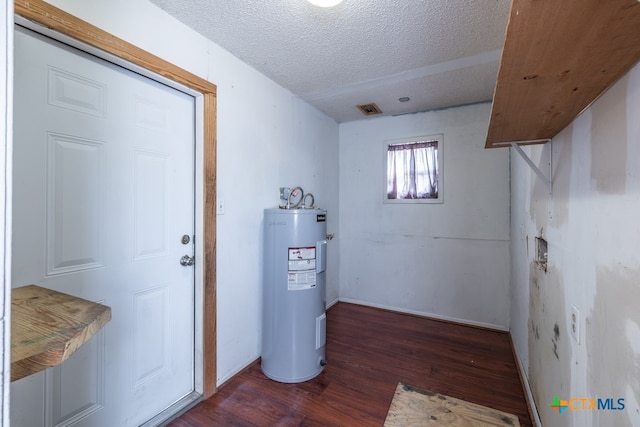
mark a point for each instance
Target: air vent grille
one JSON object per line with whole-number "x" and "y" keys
{"x": 369, "y": 109}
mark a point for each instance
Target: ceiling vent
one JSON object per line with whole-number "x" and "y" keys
{"x": 370, "y": 109}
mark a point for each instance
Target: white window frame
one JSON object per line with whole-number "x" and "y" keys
{"x": 439, "y": 138}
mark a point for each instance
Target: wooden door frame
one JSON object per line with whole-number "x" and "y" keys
{"x": 62, "y": 22}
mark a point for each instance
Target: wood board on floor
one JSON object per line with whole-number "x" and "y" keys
{"x": 412, "y": 406}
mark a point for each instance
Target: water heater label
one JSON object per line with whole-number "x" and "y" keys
{"x": 302, "y": 268}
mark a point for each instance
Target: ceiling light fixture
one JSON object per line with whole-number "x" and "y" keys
{"x": 325, "y": 3}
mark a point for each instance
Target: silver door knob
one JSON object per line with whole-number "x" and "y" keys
{"x": 187, "y": 260}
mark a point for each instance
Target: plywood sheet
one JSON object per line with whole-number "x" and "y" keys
{"x": 412, "y": 406}
{"x": 558, "y": 57}
{"x": 48, "y": 326}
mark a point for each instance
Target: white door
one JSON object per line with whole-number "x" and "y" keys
{"x": 103, "y": 194}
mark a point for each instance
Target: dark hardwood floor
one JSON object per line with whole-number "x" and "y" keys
{"x": 368, "y": 352}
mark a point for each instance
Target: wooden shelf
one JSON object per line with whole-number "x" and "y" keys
{"x": 48, "y": 326}
{"x": 558, "y": 57}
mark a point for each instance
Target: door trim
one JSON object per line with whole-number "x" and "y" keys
{"x": 64, "y": 23}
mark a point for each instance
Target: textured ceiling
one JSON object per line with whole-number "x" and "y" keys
{"x": 440, "y": 53}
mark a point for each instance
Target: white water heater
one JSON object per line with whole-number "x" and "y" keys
{"x": 294, "y": 320}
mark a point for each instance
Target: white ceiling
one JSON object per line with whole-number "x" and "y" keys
{"x": 440, "y": 53}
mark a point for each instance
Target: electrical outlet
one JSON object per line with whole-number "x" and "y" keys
{"x": 575, "y": 323}
{"x": 220, "y": 207}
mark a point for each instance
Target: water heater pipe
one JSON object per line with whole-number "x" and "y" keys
{"x": 299, "y": 201}
{"x": 304, "y": 202}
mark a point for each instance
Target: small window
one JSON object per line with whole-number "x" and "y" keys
{"x": 413, "y": 172}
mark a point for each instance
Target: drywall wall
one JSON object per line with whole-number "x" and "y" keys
{"x": 591, "y": 224}
{"x": 267, "y": 138}
{"x": 448, "y": 260}
{"x": 6, "y": 119}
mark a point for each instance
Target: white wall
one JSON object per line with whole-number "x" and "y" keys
{"x": 447, "y": 260}
{"x": 592, "y": 226}
{"x": 6, "y": 119}
{"x": 267, "y": 138}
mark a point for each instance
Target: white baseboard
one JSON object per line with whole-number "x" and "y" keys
{"x": 427, "y": 314}
{"x": 533, "y": 409}
{"x": 332, "y": 303}
{"x": 238, "y": 369}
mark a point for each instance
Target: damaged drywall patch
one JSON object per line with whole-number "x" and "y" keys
{"x": 542, "y": 253}
{"x": 609, "y": 140}
{"x": 612, "y": 337}
{"x": 536, "y": 310}
{"x": 549, "y": 346}
{"x": 562, "y": 152}
{"x": 556, "y": 339}
{"x": 540, "y": 198}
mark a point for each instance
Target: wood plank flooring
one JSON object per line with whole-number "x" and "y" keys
{"x": 368, "y": 352}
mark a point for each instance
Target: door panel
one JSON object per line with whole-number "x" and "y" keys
{"x": 74, "y": 204}
{"x": 70, "y": 401}
{"x": 103, "y": 192}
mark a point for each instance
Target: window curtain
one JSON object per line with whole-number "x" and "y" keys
{"x": 412, "y": 170}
